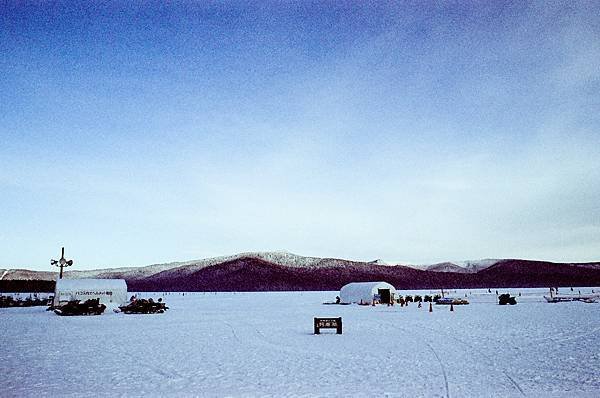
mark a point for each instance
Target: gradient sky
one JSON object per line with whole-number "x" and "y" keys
{"x": 135, "y": 133}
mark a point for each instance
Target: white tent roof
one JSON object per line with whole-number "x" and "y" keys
{"x": 107, "y": 290}
{"x": 70, "y": 284}
{"x": 363, "y": 291}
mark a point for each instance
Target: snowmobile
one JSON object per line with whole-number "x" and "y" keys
{"x": 504, "y": 299}
{"x": 556, "y": 298}
{"x": 451, "y": 300}
{"x": 8, "y": 301}
{"x": 143, "y": 306}
{"x": 75, "y": 307}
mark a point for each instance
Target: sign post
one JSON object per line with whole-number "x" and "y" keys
{"x": 328, "y": 323}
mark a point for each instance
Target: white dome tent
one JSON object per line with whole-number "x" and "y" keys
{"x": 111, "y": 292}
{"x": 364, "y": 292}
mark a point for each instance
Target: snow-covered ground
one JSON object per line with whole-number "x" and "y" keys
{"x": 261, "y": 344}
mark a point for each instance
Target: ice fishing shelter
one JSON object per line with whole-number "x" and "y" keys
{"x": 109, "y": 291}
{"x": 366, "y": 292}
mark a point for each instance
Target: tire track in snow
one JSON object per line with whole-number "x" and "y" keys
{"x": 417, "y": 340}
{"x": 488, "y": 358}
{"x": 264, "y": 341}
{"x": 256, "y": 340}
{"x": 560, "y": 340}
{"x": 514, "y": 383}
{"x": 484, "y": 356}
{"x": 235, "y": 336}
{"x": 441, "y": 366}
{"x": 159, "y": 371}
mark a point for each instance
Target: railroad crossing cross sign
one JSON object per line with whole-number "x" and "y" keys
{"x": 61, "y": 263}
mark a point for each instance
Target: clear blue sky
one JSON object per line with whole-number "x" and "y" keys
{"x": 136, "y": 133}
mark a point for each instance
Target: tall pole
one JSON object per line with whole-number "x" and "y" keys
{"x": 61, "y": 263}
{"x": 62, "y": 258}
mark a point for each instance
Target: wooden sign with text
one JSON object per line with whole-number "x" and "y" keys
{"x": 328, "y": 323}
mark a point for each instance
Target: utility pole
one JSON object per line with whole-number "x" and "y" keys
{"x": 61, "y": 263}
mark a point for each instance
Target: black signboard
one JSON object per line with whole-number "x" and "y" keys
{"x": 328, "y": 323}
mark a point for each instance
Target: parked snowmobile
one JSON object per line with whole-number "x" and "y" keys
{"x": 451, "y": 300}
{"x": 9, "y": 301}
{"x": 75, "y": 307}
{"x": 505, "y": 299}
{"x": 144, "y": 306}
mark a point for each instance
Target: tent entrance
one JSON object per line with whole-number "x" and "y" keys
{"x": 386, "y": 297}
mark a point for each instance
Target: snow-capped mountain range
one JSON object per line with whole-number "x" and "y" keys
{"x": 282, "y": 258}
{"x": 278, "y": 258}
{"x": 469, "y": 266}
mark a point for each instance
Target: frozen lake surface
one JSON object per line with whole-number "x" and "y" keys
{"x": 261, "y": 344}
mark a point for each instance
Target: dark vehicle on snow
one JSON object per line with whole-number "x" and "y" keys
{"x": 144, "y": 306}
{"x": 504, "y": 299}
{"x": 75, "y": 307}
{"x": 8, "y": 301}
